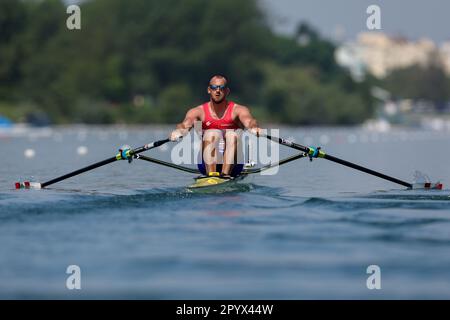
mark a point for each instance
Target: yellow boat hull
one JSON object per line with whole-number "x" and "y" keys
{"x": 214, "y": 183}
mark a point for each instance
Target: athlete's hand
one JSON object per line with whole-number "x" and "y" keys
{"x": 256, "y": 131}
{"x": 176, "y": 135}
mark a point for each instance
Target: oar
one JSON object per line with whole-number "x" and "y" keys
{"x": 125, "y": 154}
{"x": 167, "y": 164}
{"x": 317, "y": 153}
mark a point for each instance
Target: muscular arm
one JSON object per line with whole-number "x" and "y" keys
{"x": 245, "y": 117}
{"x": 192, "y": 115}
{"x": 183, "y": 128}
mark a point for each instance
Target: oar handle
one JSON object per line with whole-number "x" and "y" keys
{"x": 286, "y": 143}
{"x": 149, "y": 146}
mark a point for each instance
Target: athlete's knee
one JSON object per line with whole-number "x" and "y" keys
{"x": 212, "y": 135}
{"x": 231, "y": 137}
{"x": 229, "y": 134}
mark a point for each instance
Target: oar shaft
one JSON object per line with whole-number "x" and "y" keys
{"x": 168, "y": 164}
{"x": 307, "y": 150}
{"x": 79, "y": 171}
{"x": 105, "y": 162}
{"x": 272, "y": 165}
{"x": 367, "y": 170}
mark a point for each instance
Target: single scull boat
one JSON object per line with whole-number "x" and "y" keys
{"x": 202, "y": 183}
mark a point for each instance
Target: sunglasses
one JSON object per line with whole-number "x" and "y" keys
{"x": 215, "y": 87}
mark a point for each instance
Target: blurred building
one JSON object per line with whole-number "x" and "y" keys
{"x": 379, "y": 54}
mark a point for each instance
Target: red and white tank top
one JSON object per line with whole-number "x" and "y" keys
{"x": 226, "y": 122}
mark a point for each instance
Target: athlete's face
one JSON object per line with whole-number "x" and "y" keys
{"x": 218, "y": 90}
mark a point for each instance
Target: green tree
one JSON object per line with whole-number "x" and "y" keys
{"x": 12, "y": 22}
{"x": 419, "y": 82}
{"x": 166, "y": 51}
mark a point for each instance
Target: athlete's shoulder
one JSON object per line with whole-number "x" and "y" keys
{"x": 196, "y": 112}
{"x": 198, "y": 108}
{"x": 238, "y": 108}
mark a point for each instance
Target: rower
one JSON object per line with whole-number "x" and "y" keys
{"x": 222, "y": 120}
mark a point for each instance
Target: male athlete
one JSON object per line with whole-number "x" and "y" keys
{"x": 220, "y": 119}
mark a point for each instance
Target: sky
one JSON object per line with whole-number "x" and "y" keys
{"x": 412, "y": 19}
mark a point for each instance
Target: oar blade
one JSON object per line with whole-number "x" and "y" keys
{"x": 27, "y": 185}
{"x": 428, "y": 186}
{"x": 423, "y": 181}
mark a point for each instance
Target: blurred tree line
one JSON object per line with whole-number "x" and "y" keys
{"x": 148, "y": 61}
{"x": 426, "y": 83}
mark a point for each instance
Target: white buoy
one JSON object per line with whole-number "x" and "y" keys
{"x": 29, "y": 153}
{"x": 82, "y": 150}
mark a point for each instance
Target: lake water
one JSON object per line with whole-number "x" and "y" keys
{"x": 308, "y": 232}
